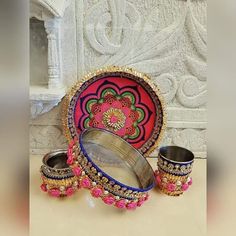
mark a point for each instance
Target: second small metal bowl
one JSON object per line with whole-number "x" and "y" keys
{"x": 174, "y": 167}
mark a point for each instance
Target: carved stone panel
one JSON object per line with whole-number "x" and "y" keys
{"x": 166, "y": 39}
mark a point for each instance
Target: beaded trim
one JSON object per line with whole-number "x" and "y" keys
{"x": 59, "y": 188}
{"x": 177, "y": 169}
{"x": 82, "y": 162}
{"x": 56, "y": 173}
{"x": 171, "y": 184}
{"x": 108, "y": 197}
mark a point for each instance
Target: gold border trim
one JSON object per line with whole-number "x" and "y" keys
{"x": 78, "y": 84}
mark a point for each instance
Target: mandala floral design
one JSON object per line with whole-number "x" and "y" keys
{"x": 121, "y": 100}
{"x": 115, "y": 112}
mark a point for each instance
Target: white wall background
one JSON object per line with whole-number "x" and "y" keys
{"x": 164, "y": 38}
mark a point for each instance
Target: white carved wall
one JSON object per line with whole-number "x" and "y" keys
{"x": 164, "y": 38}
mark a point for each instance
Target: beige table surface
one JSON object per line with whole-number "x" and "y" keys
{"x": 83, "y": 215}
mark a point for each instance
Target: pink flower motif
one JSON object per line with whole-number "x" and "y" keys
{"x": 116, "y": 104}
{"x": 98, "y": 118}
{"x": 85, "y": 183}
{"x": 128, "y": 122}
{"x": 105, "y": 107}
{"x": 96, "y": 192}
{"x": 127, "y": 107}
{"x": 126, "y": 111}
{"x": 43, "y": 187}
{"x": 185, "y": 187}
{"x": 171, "y": 187}
{"x": 131, "y": 206}
{"x": 54, "y": 192}
{"x": 69, "y": 191}
{"x": 140, "y": 203}
{"x": 120, "y": 204}
{"x": 158, "y": 179}
{"x": 77, "y": 171}
{"x": 109, "y": 200}
{"x": 190, "y": 181}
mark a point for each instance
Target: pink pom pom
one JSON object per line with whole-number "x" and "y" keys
{"x": 85, "y": 183}
{"x": 69, "y": 153}
{"x": 171, "y": 187}
{"x": 131, "y": 206}
{"x": 43, "y": 187}
{"x": 54, "y": 192}
{"x": 69, "y": 191}
{"x": 185, "y": 187}
{"x": 120, "y": 204}
{"x": 140, "y": 203}
{"x": 158, "y": 179}
{"x": 77, "y": 171}
{"x": 146, "y": 197}
{"x": 96, "y": 192}
{"x": 71, "y": 144}
{"x": 190, "y": 181}
{"x": 109, "y": 200}
{"x": 69, "y": 161}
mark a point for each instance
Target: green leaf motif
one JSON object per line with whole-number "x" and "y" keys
{"x": 141, "y": 114}
{"x": 86, "y": 123}
{"x": 130, "y": 96}
{"x": 89, "y": 104}
{"x": 136, "y": 134}
{"x": 108, "y": 91}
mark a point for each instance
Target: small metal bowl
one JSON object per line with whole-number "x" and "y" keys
{"x": 58, "y": 178}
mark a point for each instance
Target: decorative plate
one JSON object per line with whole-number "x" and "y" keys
{"x": 121, "y": 100}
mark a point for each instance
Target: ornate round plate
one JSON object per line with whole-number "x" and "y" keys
{"x": 121, "y": 100}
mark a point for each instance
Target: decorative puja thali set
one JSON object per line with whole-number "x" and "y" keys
{"x": 113, "y": 119}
